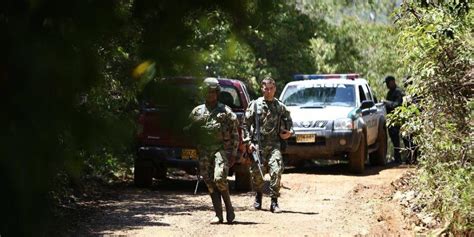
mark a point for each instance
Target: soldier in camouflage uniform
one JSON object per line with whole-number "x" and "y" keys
{"x": 218, "y": 138}
{"x": 275, "y": 125}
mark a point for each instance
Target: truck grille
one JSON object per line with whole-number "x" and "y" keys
{"x": 312, "y": 124}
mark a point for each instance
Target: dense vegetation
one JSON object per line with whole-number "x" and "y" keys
{"x": 73, "y": 72}
{"x": 436, "y": 42}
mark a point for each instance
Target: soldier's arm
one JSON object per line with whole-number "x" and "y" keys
{"x": 289, "y": 121}
{"x": 234, "y": 134}
{"x": 191, "y": 118}
{"x": 387, "y": 102}
{"x": 195, "y": 121}
{"x": 190, "y": 129}
{"x": 249, "y": 118}
{"x": 399, "y": 99}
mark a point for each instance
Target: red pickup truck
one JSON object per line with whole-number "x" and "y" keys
{"x": 161, "y": 141}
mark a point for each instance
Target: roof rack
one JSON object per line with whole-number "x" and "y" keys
{"x": 350, "y": 76}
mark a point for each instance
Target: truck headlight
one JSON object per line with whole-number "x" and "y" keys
{"x": 343, "y": 124}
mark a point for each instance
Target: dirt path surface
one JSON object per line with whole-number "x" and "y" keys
{"x": 317, "y": 201}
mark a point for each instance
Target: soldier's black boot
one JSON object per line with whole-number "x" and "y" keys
{"x": 217, "y": 204}
{"x": 258, "y": 201}
{"x": 274, "y": 206}
{"x": 229, "y": 210}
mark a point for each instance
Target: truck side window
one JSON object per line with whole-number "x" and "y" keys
{"x": 362, "y": 94}
{"x": 368, "y": 93}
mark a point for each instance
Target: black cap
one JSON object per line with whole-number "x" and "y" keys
{"x": 389, "y": 78}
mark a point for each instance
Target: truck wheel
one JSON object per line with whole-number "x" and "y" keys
{"x": 357, "y": 158}
{"x": 242, "y": 178}
{"x": 379, "y": 157}
{"x": 143, "y": 173}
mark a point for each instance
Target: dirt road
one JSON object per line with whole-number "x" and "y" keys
{"x": 316, "y": 200}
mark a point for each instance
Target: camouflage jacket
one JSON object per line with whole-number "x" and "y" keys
{"x": 273, "y": 116}
{"x": 216, "y": 128}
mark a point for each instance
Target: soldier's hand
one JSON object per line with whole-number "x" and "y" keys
{"x": 250, "y": 148}
{"x": 285, "y": 134}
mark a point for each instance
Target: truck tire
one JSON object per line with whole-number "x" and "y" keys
{"x": 357, "y": 158}
{"x": 143, "y": 173}
{"x": 379, "y": 157}
{"x": 243, "y": 180}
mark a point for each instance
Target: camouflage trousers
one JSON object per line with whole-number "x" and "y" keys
{"x": 213, "y": 168}
{"x": 273, "y": 165}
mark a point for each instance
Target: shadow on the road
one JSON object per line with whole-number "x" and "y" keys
{"x": 300, "y": 212}
{"x": 126, "y": 207}
{"x": 179, "y": 186}
{"x": 339, "y": 169}
{"x": 293, "y": 212}
{"x": 244, "y": 223}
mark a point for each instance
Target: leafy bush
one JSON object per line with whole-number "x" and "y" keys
{"x": 436, "y": 44}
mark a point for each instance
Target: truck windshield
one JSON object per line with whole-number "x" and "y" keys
{"x": 317, "y": 95}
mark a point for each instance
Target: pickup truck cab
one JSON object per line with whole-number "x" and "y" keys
{"x": 161, "y": 141}
{"x": 335, "y": 117}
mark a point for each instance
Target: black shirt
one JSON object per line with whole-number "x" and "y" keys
{"x": 394, "y": 99}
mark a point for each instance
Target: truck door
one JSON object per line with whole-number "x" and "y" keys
{"x": 369, "y": 115}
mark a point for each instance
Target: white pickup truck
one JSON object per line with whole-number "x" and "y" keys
{"x": 336, "y": 117}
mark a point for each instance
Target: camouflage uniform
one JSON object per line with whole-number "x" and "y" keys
{"x": 273, "y": 115}
{"x": 219, "y": 137}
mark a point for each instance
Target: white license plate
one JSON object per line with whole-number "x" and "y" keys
{"x": 305, "y": 138}
{"x": 189, "y": 154}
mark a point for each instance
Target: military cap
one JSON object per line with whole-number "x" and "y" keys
{"x": 211, "y": 83}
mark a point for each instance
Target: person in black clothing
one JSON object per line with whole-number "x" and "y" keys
{"x": 393, "y": 100}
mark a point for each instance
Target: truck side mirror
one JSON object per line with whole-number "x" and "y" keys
{"x": 367, "y": 104}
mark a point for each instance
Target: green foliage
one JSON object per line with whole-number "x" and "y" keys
{"x": 281, "y": 42}
{"x": 75, "y": 72}
{"x": 69, "y": 99}
{"x": 436, "y": 43}
{"x": 219, "y": 51}
{"x": 65, "y": 73}
{"x": 358, "y": 39}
